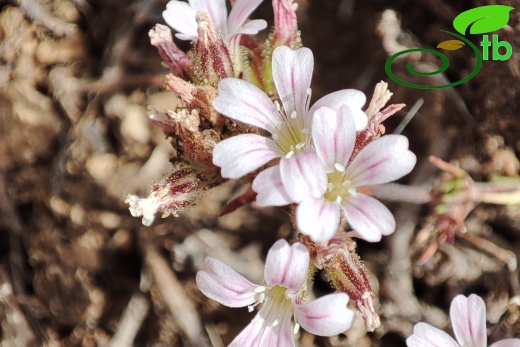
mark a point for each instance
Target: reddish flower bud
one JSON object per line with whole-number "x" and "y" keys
{"x": 212, "y": 59}
{"x": 177, "y": 60}
{"x": 286, "y": 31}
{"x": 347, "y": 273}
{"x": 170, "y": 195}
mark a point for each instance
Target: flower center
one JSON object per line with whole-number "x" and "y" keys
{"x": 339, "y": 187}
{"x": 294, "y": 135}
{"x": 277, "y": 304}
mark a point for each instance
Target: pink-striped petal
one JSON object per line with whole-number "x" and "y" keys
{"x": 468, "y": 318}
{"x": 246, "y": 103}
{"x": 223, "y": 284}
{"x": 242, "y": 154}
{"x": 424, "y": 335}
{"x": 326, "y": 316}
{"x": 260, "y": 334}
{"x": 181, "y": 16}
{"x": 287, "y": 265}
{"x": 216, "y": 9}
{"x": 355, "y": 99}
{"x": 318, "y": 218}
{"x": 303, "y": 175}
{"x": 292, "y": 73}
{"x": 240, "y": 12}
{"x": 368, "y": 217}
{"x": 383, "y": 160}
{"x": 334, "y": 134}
{"x": 269, "y": 188}
{"x": 507, "y": 343}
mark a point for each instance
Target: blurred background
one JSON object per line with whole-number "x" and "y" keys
{"x": 76, "y": 77}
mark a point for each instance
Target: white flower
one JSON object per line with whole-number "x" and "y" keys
{"x": 289, "y": 124}
{"x": 383, "y": 160}
{"x": 181, "y": 17}
{"x": 286, "y": 269}
{"x": 468, "y": 318}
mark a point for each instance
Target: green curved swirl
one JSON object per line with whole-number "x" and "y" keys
{"x": 445, "y": 64}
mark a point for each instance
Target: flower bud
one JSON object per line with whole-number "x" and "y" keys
{"x": 212, "y": 59}
{"x": 177, "y": 60}
{"x": 346, "y": 272}
{"x": 170, "y": 195}
{"x": 285, "y": 24}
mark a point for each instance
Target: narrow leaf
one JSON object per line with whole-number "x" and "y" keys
{"x": 483, "y": 19}
{"x": 451, "y": 45}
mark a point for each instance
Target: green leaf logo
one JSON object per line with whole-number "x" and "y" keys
{"x": 482, "y": 20}
{"x": 451, "y": 45}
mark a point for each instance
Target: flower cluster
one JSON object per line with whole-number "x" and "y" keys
{"x": 246, "y": 113}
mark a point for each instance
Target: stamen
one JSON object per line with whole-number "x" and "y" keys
{"x": 352, "y": 191}
{"x": 339, "y": 199}
{"x": 296, "y": 328}
{"x": 300, "y": 145}
{"x": 294, "y": 114}
{"x": 275, "y": 137}
{"x": 339, "y": 167}
{"x": 346, "y": 183}
{"x": 250, "y": 308}
{"x": 259, "y": 289}
{"x": 277, "y": 105}
{"x": 330, "y": 186}
{"x": 294, "y": 6}
{"x": 290, "y": 154}
{"x": 275, "y": 323}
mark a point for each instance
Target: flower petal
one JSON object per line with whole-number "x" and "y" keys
{"x": 242, "y": 154}
{"x": 292, "y": 73}
{"x": 252, "y": 27}
{"x": 287, "y": 265}
{"x": 246, "y": 103}
{"x": 383, "y": 160}
{"x": 240, "y": 12}
{"x": 326, "y": 316}
{"x": 468, "y": 318}
{"x": 507, "y": 343}
{"x": 223, "y": 284}
{"x": 181, "y": 16}
{"x": 334, "y": 135}
{"x": 216, "y": 9}
{"x": 269, "y": 187}
{"x": 424, "y": 335}
{"x": 368, "y": 217}
{"x": 318, "y": 218}
{"x": 260, "y": 334}
{"x": 355, "y": 99}
{"x": 303, "y": 175}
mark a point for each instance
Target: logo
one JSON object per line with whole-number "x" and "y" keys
{"x": 479, "y": 20}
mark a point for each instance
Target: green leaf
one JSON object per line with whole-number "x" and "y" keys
{"x": 451, "y": 45}
{"x": 483, "y": 19}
